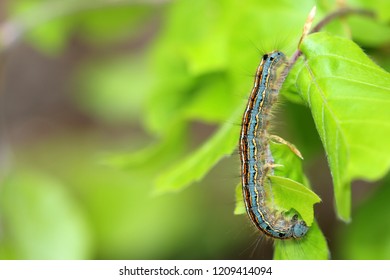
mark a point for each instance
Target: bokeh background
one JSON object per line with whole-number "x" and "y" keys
{"x": 98, "y": 98}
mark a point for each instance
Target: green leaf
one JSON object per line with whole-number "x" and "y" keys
{"x": 50, "y": 24}
{"x": 153, "y": 156}
{"x": 188, "y": 61}
{"x": 240, "y": 204}
{"x": 114, "y": 90}
{"x": 209, "y": 90}
{"x": 189, "y": 52}
{"x": 291, "y": 164}
{"x": 170, "y": 77}
{"x": 311, "y": 247}
{"x": 196, "y": 165}
{"x": 43, "y": 222}
{"x": 51, "y": 38}
{"x": 201, "y": 43}
{"x": 114, "y": 24}
{"x": 251, "y": 36}
{"x": 289, "y": 194}
{"x": 288, "y": 186}
{"x": 370, "y": 31}
{"x": 349, "y": 98}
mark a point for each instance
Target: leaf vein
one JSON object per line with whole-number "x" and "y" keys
{"x": 353, "y": 81}
{"x": 339, "y": 57}
{"x": 326, "y": 106}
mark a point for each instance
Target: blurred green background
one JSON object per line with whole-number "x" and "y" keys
{"x": 99, "y": 98}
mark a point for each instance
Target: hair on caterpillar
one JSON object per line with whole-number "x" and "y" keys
{"x": 258, "y": 241}
{"x": 257, "y": 161}
{"x": 261, "y": 246}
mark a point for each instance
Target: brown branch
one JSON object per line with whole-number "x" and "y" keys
{"x": 340, "y": 13}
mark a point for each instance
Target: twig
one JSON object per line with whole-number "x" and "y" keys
{"x": 336, "y": 14}
{"x": 340, "y": 13}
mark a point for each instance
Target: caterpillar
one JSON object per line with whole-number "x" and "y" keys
{"x": 257, "y": 162}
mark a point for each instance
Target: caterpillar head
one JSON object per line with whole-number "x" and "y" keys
{"x": 299, "y": 229}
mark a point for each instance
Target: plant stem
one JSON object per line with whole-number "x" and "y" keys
{"x": 336, "y": 14}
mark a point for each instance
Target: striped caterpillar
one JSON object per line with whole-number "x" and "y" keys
{"x": 256, "y": 156}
